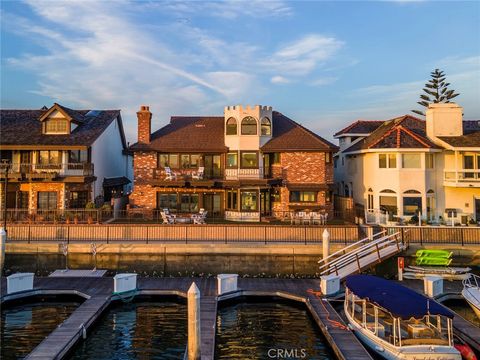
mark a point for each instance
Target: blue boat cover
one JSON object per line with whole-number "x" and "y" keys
{"x": 399, "y": 300}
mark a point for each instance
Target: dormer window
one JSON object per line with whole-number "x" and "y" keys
{"x": 266, "y": 127}
{"x": 57, "y": 126}
{"x": 231, "y": 126}
{"x": 249, "y": 126}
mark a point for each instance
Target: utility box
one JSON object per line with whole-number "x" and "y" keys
{"x": 226, "y": 283}
{"x": 329, "y": 284}
{"x": 433, "y": 285}
{"x": 19, "y": 282}
{"x": 124, "y": 282}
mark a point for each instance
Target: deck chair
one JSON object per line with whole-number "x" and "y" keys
{"x": 167, "y": 218}
{"x": 199, "y": 174}
{"x": 200, "y": 217}
{"x": 169, "y": 174}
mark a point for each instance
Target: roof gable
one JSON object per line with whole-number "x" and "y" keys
{"x": 360, "y": 127}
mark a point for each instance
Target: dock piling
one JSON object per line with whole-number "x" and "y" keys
{"x": 194, "y": 336}
{"x": 326, "y": 243}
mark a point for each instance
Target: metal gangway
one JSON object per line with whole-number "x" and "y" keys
{"x": 360, "y": 255}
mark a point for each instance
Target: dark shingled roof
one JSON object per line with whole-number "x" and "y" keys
{"x": 361, "y": 127}
{"x": 471, "y": 137}
{"x": 289, "y": 135}
{"x": 206, "y": 134}
{"x": 23, "y": 127}
{"x": 187, "y": 133}
{"x": 403, "y": 132}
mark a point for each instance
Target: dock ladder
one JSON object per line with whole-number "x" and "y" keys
{"x": 362, "y": 254}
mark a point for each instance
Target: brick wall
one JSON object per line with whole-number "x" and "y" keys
{"x": 144, "y": 162}
{"x": 144, "y": 117}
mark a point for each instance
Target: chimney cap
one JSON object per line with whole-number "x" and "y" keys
{"x": 144, "y": 108}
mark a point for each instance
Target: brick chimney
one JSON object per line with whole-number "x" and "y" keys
{"x": 144, "y": 117}
{"x": 444, "y": 119}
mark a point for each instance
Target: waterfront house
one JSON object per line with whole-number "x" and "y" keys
{"x": 59, "y": 158}
{"x": 407, "y": 165}
{"x": 251, "y": 163}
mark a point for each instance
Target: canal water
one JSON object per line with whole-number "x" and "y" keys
{"x": 23, "y": 327}
{"x": 262, "y": 329}
{"x": 137, "y": 330}
{"x": 462, "y": 308}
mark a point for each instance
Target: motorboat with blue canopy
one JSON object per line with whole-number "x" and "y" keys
{"x": 397, "y": 322}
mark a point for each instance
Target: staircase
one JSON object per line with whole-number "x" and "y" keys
{"x": 362, "y": 254}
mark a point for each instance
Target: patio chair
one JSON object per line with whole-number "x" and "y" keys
{"x": 169, "y": 174}
{"x": 316, "y": 218}
{"x": 325, "y": 218}
{"x": 167, "y": 219}
{"x": 199, "y": 174}
{"x": 200, "y": 217}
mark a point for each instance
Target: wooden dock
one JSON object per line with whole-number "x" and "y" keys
{"x": 99, "y": 291}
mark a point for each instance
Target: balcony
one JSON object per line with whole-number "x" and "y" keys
{"x": 46, "y": 171}
{"x": 461, "y": 178}
{"x": 237, "y": 174}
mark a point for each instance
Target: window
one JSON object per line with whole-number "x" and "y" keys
{"x": 78, "y": 199}
{"x": 232, "y": 197}
{"x": 388, "y": 203}
{"x": 77, "y": 156}
{"x": 56, "y": 126}
{"x": 231, "y": 127}
{"x": 185, "y": 161}
{"x": 249, "y": 201}
{"x": 249, "y": 160}
{"x": 276, "y": 158}
{"x": 370, "y": 202}
{"x": 429, "y": 161}
{"x": 328, "y": 157}
{"x": 49, "y": 157}
{"x": 47, "y": 200}
{"x": 232, "y": 160}
{"x": 166, "y": 201}
{"x": 412, "y": 205}
{"x": 249, "y": 126}
{"x": 303, "y": 196}
{"x": 329, "y": 196}
{"x": 189, "y": 202}
{"x": 266, "y": 126}
{"x": 387, "y": 161}
{"x": 6, "y": 155}
{"x": 411, "y": 161}
{"x": 170, "y": 160}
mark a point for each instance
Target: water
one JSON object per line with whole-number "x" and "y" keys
{"x": 263, "y": 330}
{"x": 143, "y": 330}
{"x": 25, "y": 326}
{"x": 462, "y": 308}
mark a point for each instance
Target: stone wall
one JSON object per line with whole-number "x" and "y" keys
{"x": 36, "y": 187}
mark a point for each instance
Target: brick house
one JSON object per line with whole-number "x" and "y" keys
{"x": 257, "y": 163}
{"x": 59, "y": 158}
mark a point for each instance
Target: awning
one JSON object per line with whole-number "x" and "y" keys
{"x": 115, "y": 181}
{"x": 397, "y": 299}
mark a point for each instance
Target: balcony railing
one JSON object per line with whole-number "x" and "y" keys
{"x": 462, "y": 176}
{"x": 47, "y": 170}
{"x": 187, "y": 174}
{"x": 234, "y": 174}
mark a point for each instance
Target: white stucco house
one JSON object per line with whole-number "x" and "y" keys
{"x": 406, "y": 166}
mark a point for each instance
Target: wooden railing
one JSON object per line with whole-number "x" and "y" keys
{"x": 462, "y": 175}
{"x": 53, "y": 169}
{"x": 424, "y": 235}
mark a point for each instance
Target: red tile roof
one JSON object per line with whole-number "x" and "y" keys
{"x": 361, "y": 127}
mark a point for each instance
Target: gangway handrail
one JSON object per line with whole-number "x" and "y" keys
{"x": 364, "y": 246}
{"x": 351, "y": 245}
{"x": 365, "y": 250}
{"x": 348, "y": 258}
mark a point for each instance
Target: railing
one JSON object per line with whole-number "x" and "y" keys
{"x": 234, "y": 174}
{"x": 66, "y": 216}
{"x": 425, "y": 235}
{"x": 48, "y": 170}
{"x": 462, "y": 175}
{"x": 227, "y": 234}
{"x": 186, "y": 174}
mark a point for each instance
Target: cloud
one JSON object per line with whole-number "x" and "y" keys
{"x": 279, "y": 80}
{"x": 323, "y": 81}
{"x": 305, "y": 54}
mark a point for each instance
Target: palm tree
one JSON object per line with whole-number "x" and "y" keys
{"x": 437, "y": 91}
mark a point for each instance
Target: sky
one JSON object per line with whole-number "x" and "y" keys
{"x": 324, "y": 64}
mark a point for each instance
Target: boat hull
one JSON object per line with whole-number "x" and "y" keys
{"x": 470, "y": 295}
{"x": 391, "y": 352}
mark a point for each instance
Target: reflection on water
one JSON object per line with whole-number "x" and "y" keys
{"x": 462, "y": 308}
{"x": 148, "y": 330}
{"x": 24, "y": 327}
{"x": 260, "y": 330}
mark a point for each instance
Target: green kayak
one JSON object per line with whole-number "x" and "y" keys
{"x": 434, "y": 254}
{"x": 433, "y": 261}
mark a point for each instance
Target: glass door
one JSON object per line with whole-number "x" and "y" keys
{"x": 468, "y": 165}
{"x": 265, "y": 204}
{"x": 213, "y": 166}
{"x": 212, "y": 204}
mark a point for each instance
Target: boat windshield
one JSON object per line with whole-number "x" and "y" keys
{"x": 429, "y": 330}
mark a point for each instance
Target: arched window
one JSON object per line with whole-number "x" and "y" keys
{"x": 266, "y": 126}
{"x": 249, "y": 126}
{"x": 430, "y": 192}
{"x": 388, "y": 191}
{"x": 412, "y": 192}
{"x": 231, "y": 126}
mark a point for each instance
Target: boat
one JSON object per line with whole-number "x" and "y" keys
{"x": 471, "y": 292}
{"x": 434, "y": 253}
{"x": 447, "y": 273}
{"x": 396, "y": 322}
{"x": 433, "y": 261}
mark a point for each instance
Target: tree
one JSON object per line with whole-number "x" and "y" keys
{"x": 437, "y": 91}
